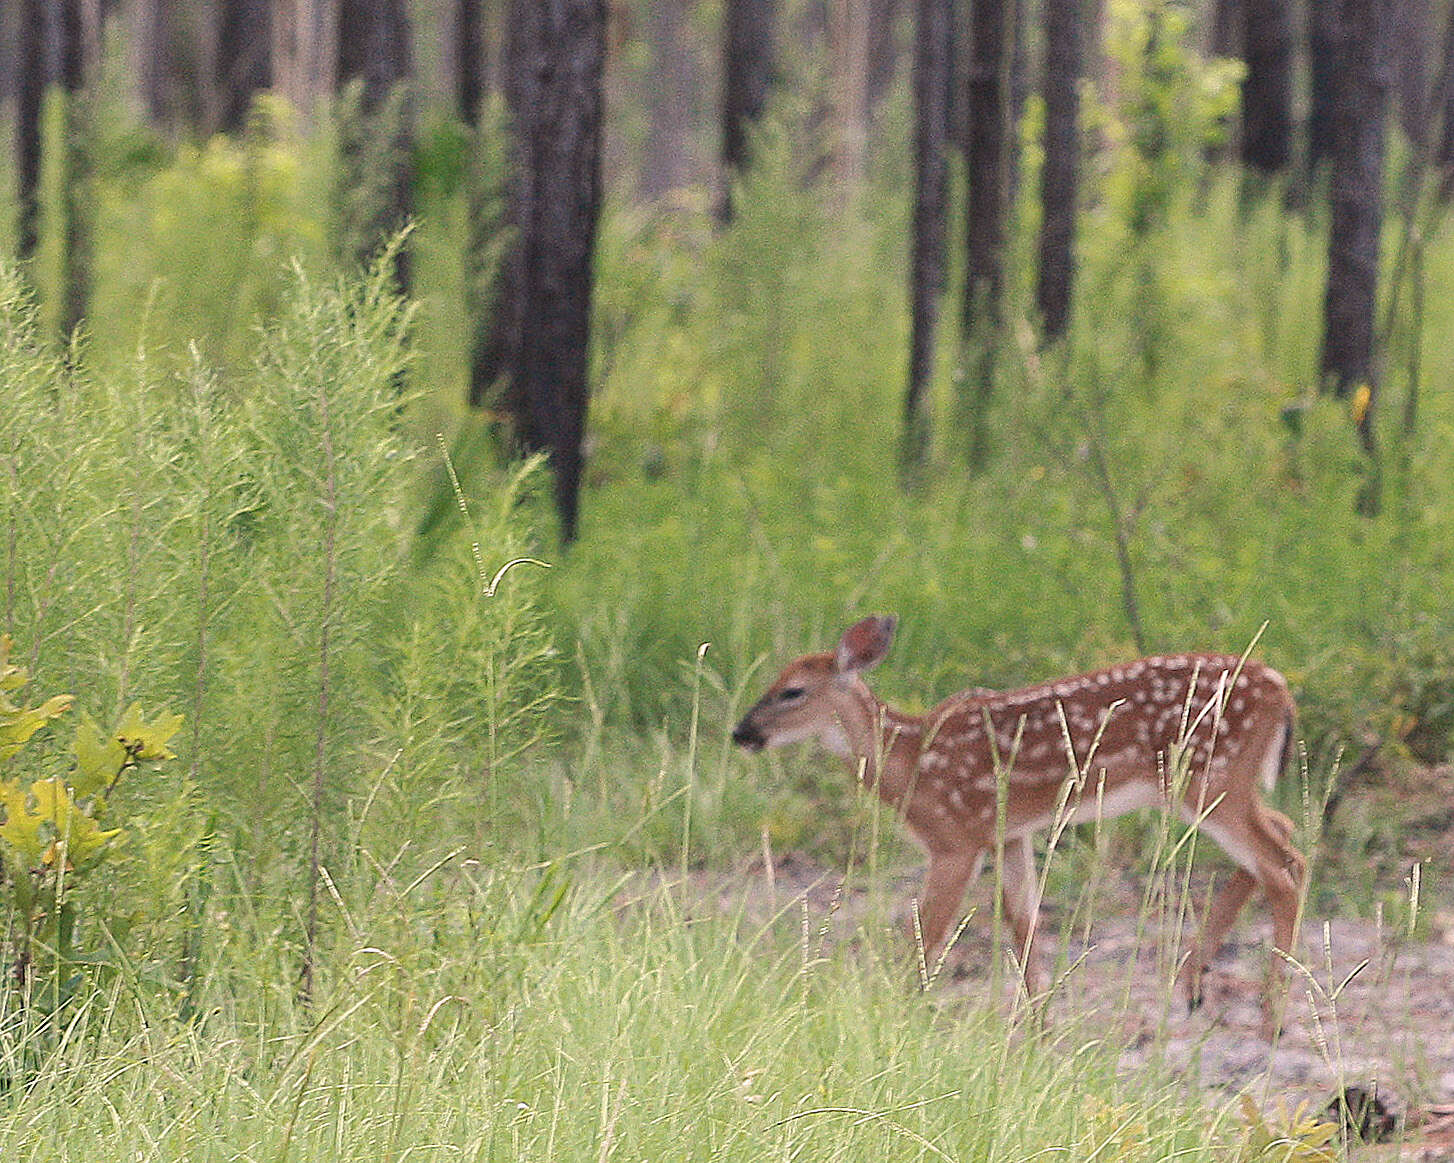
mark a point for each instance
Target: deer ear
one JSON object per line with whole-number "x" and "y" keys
{"x": 864, "y": 644}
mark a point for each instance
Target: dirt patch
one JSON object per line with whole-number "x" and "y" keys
{"x": 1369, "y": 1006}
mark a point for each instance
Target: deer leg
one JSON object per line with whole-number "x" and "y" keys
{"x": 1020, "y": 891}
{"x": 948, "y": 874}
{"x": 1261, "y": 844}
{"x": 1223, "y": 911}
{"x": 1282, "y": 874}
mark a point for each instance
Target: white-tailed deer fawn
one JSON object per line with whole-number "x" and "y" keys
{"x": 1210, "y": 727}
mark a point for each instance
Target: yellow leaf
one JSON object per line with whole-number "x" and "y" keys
{"x": 147, "y": 742}
{"x": 99, "y": 758}
{"x": 1362, "y": 398}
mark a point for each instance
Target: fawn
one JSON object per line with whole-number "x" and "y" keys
{"x": 1224, "y": 723}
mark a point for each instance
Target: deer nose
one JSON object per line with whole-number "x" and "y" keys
{"x": 748, "y": 736}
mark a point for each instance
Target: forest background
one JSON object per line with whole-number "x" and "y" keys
{"x": 1067, "y": 332}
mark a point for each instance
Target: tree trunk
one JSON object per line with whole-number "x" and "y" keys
{"x": 883, "y": 50}
{"x": 1442, "y": 107}
{"x": 1323, "y": 22}
{"x": 1356, "y": 193}
{"x": 1059, "y": 177}
{"x": 376, "y": 142}
{"x": 1267, "y": 87}
{"x": 1412, "y": 44}
{"x": 1349, "y": 359}
{"x": 986, "y": 158}
{"x": 464, "y": 53}
{"x": 665, "y": 162}
{"x": 305, "y": 51}
{"x": 931, "y": 80}
{"x": 243, "y": 63}
{"x": 539, "y": 344}
{"x": 748, "y": 70}
{"x": 30, "y": 85}
{"x": 848, "y": 45}
{"x": 50, "y": 58}
{"x": 987, "y": 143}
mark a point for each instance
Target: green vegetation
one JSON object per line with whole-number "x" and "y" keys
{"x": 402, "y": 899}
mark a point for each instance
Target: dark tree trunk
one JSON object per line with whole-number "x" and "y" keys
{"x": 1267, "y": 87}
{"x": 883, "y": 49}
{"x": 377, "y": 144}
{"x": 668, "y": 100}
{"x": 305, "y": 51}
{"x": 987, "y": 158}
{"x": 30, "y": 85}
{"x": 748, "y": 70}
{"x": 244, "y": 62}
{"x": 465, "y": 49}
{"x": 1224, "y": 34}
{"x": 538, "y": 347}
{"x": 1322, "y": 18}
{"x": 931, "y": 79}
{"x": 1413, "y": 49}
{"x": 1356, "y": 195}
{"x": 50, "y": 57}
{"x": 1442, "y": 108}
{"x": 1059, "y": 177}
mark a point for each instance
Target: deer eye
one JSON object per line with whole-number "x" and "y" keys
{"x": 790, "y": 694}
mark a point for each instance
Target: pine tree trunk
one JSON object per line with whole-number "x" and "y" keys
{"x": 305, "y": 51}
{"x": 1356, "y": 194}
{"x": 464, "y": 52}
{"x": 986, "y": 158}
{"x": 30, "y": 85}
{"x": 243, "y": 63}
{"x": 1059, "y": 177}
{"x": 1323, "y": 54}
{"x": 377, "y": 144}
{"x": 539, "y": 345}
{"x": 987, "y": 146}
{"x": 1267, "y": 87}
{"x": 748, "y": 67}
{"x": 931, "y": 80}
{"x": 665, "y": 164}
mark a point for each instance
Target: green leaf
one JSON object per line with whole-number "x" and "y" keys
{"x": 99, "y": 758}
{"x": 147, "y": 742}
{"x": 44, "y": 825}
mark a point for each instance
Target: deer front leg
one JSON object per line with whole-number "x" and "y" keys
{"x": 1020, "y": 891}
{"x": 1223, "y": 911}
{"x": 945, "y": 880}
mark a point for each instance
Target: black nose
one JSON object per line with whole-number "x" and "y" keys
{"x": 748, "y": 736}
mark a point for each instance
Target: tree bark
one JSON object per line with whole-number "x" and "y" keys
{"x": 464, "y": 52}
{"x": 305, "y": 51}
{"x": 539, "y": 344}
{"x": 1059, "y": 177}
{"x": 243, "y": 63}
{"x": 986, "y": 158}
{"x": 931, "y": 84}
{"x": 883, "y": 50}
{"x": 1323, "y": 54}
{"x": 377, "y": 144}
{"x": 748, "y": 71}
{"x": 30, "y": 85}
{"x": 1267, "y": 88}
{"x": 987, "y": 147}
{"x": 665, "y": 165}
{"x": 1349, "y": 363}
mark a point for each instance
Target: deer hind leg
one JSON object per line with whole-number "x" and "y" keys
{"x": 948, "y": 875}
{"x": 1260, "y": 842}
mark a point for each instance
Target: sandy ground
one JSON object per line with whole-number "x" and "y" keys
{"x": 1371, "y": 1006}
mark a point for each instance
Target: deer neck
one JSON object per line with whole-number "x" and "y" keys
{"x": 880, "y": 744}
